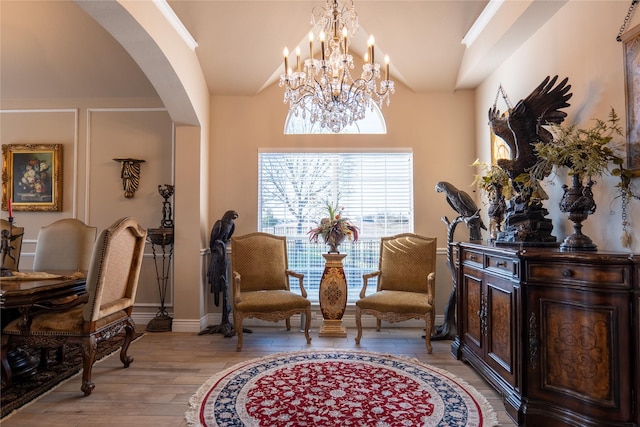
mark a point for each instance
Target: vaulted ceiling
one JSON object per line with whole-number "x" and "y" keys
{"x": 53, "y": 49}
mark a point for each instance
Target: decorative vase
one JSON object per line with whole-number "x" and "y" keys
{"x": 333, "y": 296}
{"x": 333, "y": 240}
{"x": 578, "y": 202}
{"x": 496, "y": 210}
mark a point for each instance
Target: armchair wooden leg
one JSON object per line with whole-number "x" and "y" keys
{"x": 287, "y": 322}
{"x": 427, "y": 335}
{"x": 60, "y": 354}
{"x": 307, "y": 325}
{"x": 89, "y": 346}
{"x": 6, "y": 369}
{"x": 358, "y": 324}
{"x": 378, "y": 325}
{"x": 237, "y": 321}
{"x": 128, "y": 337}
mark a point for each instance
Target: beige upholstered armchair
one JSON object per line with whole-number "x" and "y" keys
{"x": 406, "y": 283}
{"x": 64, "y": 245}
{"x": 11, "y": 254}
{"x": 261, "y": 282}
{"x": 112, "y": 282}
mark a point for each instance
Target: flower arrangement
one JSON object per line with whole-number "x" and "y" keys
{"x": 493, "y": 180}
{"x": 334, "y": 228}
{"x": 588, "y": 153}
{"x": 35, "y": 179}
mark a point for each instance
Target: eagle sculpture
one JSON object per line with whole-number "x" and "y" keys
{"x": 523, "y": 126}
{"x": 220, "y": 235}
{"x": 464, "y": 205}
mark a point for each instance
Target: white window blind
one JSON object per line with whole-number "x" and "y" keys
{"x": 375, "y": 190}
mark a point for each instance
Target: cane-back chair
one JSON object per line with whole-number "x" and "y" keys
{"x": 112, "y": 282}
{"x": 261, "y": 282}
{"x": 65, "y": 244}
{"x": 405, "y": 283}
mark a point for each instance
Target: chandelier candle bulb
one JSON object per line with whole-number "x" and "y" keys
{"x": 344, "y": 39}
{"x": 386, "y": 62}
{"x": 324, "y": 90}
{"x": 285, "y": 52}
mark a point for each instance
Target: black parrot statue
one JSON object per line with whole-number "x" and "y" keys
{"x": 220, "y": 235}
{"x": 464, "y": 205}
{"x": 217, "y": 273}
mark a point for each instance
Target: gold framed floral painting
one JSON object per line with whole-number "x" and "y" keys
{"x": 631, "y": 40}
{"x": 32, "y": 177}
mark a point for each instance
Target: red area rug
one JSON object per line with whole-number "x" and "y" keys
{"x": 337, "y": 388}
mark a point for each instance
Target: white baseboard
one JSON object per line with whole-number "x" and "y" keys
{"x": 348, "y": 320}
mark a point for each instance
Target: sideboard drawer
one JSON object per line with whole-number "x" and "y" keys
{"x": 473, "y": 256}
{"x": 503, "y": 265}
{"x": 619, "y": 275}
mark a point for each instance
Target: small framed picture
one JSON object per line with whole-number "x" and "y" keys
{"x": 631, "y": 40}
{"x": 32, "y": 177}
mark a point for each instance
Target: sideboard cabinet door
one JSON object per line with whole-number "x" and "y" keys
{"x": 579, "y": 359}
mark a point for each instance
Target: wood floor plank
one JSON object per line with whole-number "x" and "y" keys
{"x": 169, "y": 367}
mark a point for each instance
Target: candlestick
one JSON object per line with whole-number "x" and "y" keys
{"x": 285, "y": 52}
{"x": 371, "y": 42}
{"x": 344, "y": 38}
{"x": 322, "y": 44}
{"x": 311, "y": 45}
{"x": 298, "y": 58}
{"x": 386, "y": 61}
{"x": 10, "y": 209}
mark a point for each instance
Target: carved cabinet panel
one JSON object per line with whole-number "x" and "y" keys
{"x": 488, "y": 304}
{"x": 556, "y": 333}
{"x": 580, "y": 369}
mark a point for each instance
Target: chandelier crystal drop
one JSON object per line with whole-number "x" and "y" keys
{"x": 322, "y": 89}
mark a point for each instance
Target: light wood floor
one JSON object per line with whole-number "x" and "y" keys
{"x": 169, "y": 368}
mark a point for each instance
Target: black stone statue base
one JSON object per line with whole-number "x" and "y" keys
{"x": 526, "y": 225}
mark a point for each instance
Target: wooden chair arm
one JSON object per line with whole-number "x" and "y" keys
{"x": 300, "y": 278}
{"x": 65, "y": 303}
{"x": 365, "y": 280}
{"x": 236, "y": 287}
{"x": 431, "y": 287}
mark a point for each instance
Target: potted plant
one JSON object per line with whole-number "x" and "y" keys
{"x": 586, "y": 154}
{"x": 494, "y": 181}
{"x": 333, "y": 229}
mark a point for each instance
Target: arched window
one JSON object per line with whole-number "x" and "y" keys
{"x": 373, "y": 123}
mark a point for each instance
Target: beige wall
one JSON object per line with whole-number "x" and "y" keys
{"x": 437, "y": 127}
{"x": 579, "y": 42}
{"x": 92, "y": 134}
{"x": 446, "y": 132}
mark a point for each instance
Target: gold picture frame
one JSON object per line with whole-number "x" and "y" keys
{"x": 631, "y": 41}
{"x": 32, "y": 177}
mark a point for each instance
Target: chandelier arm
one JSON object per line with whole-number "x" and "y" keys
{"x": 326, "y": 93}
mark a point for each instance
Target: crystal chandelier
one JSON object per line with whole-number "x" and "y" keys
{"x": 323, "y": 89}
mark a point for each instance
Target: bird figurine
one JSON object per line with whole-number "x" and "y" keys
{"x": 523, "y": 126}
{"x": 464, "y": 205}
{"x": 220, "y": 235}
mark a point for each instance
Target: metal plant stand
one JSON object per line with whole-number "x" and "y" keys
{"x": 162, "y": 246}
{"x": 161, "y": 240}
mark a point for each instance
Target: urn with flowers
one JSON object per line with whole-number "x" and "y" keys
{"x": 586, "y": 154}
{"x": 334, "y": 228}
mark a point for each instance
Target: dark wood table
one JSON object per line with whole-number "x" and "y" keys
{"x": 19, "y": 298}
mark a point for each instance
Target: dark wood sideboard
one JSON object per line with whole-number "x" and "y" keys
{"x": 556, "y": 333}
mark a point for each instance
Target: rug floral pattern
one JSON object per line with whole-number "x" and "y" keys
{"x": 337, "y": 388}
